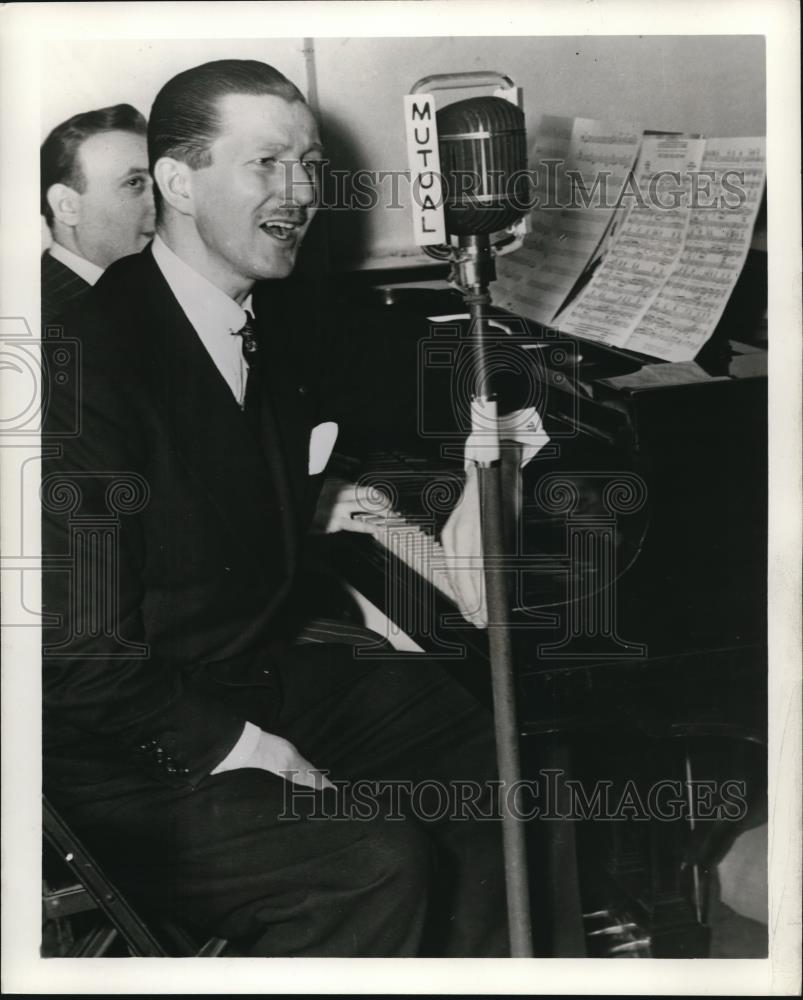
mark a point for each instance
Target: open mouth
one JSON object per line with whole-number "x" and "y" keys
{"x": 280, "y": 230}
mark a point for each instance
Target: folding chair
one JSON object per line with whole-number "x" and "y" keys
{"x": 93, "y": 891}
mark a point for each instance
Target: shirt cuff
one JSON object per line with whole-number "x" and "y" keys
{"x": 242, "y": 750}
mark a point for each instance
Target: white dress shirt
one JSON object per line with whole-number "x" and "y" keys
{"x": 215, "y": 317}
{"x": 79, "y": 265}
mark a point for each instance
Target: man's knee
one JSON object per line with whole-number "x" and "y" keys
{"x": 369, "y": 899}
{"x": 385, "y": 907}
{"x": 399, "y": 855}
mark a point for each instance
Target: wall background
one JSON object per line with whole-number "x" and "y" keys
{"x": 712, "y": 84}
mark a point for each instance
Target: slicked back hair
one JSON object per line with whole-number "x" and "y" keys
{"x": 185, "y": 117}
{"x": 59, "y": 161}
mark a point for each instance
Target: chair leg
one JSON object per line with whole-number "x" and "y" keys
{"x": 213, "y": 948}
{"x": 96, "y": 944}
{"x": 138, "y": 938}
{"x": 697, "y": 891}
{"x": 96, "y": 891}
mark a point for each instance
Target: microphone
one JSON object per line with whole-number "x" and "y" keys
{"x": 468, "y": 167}
{"x": 470, "y": 184}
{"x": 483, "y": 153}
{"x": 468, "y": 171}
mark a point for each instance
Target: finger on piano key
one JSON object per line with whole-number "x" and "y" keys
{"x": 413, "y": 545}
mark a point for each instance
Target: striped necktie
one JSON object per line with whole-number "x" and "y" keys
{"x": 250, "y": 349}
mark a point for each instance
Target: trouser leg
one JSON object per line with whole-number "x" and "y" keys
{"x": 408, "y": 722}
{"x": 225, "y": 857}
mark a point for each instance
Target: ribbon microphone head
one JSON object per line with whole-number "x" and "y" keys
{"x": 483, "y": 162}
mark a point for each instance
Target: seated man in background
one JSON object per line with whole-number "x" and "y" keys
{"x": 96, "y": 198}
{"x": 179, "y": 715}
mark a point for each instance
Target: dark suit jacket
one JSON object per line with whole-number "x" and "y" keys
{"x": 60, "y": 288}
{"x": 170, "y": 532}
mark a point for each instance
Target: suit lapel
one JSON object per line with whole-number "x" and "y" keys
{"x": 213, "y": 439}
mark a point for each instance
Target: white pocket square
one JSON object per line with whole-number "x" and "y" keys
{"x": 321, "y": 442}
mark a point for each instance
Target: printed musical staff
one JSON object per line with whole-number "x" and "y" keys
{"x": 569, "y": 157}
{"x": 645, "y": 246}
{"x": 685, "y": 313}
{"x": 650, "y": 252}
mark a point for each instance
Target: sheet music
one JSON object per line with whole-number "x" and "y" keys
{"x": 685, "y": 313}
{"x": 644, "y": 244}
{"x": 536, "y": 279}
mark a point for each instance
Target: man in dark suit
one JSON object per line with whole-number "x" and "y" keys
{"x": 187, "y": 730}
{"x": 96, "y": 198}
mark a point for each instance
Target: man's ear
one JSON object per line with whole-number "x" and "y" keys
{"x": 65, "y": 204}
{"x": 174, "y": 180}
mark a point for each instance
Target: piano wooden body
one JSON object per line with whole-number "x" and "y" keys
{"x": 637, "y": 570}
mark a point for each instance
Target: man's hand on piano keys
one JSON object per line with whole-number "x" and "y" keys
{"x": 453, "y": 565}
{"x": 342, "y": 506}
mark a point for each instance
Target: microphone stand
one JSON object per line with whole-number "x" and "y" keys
{"x": 473, "y": 270}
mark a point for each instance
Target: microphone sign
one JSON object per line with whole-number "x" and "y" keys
{"x": 425, "y": 170}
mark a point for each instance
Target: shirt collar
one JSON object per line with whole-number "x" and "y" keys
{"x": 79, "y": 265}
{"x": 208, "y": 308}
{"x": 213, "y": 315}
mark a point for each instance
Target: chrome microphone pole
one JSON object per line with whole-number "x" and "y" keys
{"x": 483, "y": 141}
{"x": 473, "y": 270}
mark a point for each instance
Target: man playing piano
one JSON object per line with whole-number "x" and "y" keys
{"x": 178, "y": 709}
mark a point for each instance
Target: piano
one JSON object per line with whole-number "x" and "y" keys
{"x": 637, "y": 572}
